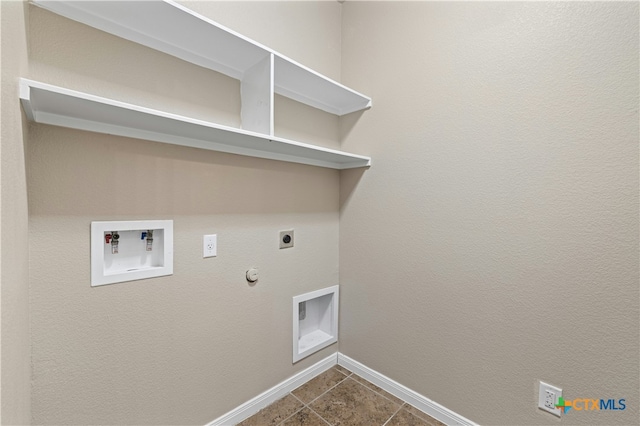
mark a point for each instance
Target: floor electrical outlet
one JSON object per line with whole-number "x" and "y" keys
{"x": 548, "y": 397}
{"x": 210, "y": 245}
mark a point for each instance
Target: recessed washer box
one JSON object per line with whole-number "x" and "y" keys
{"x": 315, "y": 321}
{"x": 130, "y": 250}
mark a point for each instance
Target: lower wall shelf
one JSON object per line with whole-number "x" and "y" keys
{"x": 47, "y": 104}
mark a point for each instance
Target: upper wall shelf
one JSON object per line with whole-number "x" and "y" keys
{"x": 44, "y": 103}
{"x": 173, "y": 29}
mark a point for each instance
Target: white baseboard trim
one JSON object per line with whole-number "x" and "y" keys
{"x": 409, "y": 396}
{"x": 423, "y": 403}
{"x": 269, "y": 396}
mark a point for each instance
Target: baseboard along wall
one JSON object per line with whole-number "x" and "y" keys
{"x": 407, "y": 395}
{"x": 269, "y": 396}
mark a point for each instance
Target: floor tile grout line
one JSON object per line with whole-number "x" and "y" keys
{"x": 322, "y": 418}
{"x": 366, "y": 384}
{"x": 303, "y": 407}
{"x": 394, "y": 414}
{"x": 301, "y": 401}
{"x": 340, "y": 371}
{"x": 297, "y": 411}
{"x": 402, "y": 403}
{"x": 308, "y": 405}
{"x": 322, "y": 394}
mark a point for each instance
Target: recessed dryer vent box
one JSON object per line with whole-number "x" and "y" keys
{"x": 315, "y": 321}
{"x": 130, "y": 250}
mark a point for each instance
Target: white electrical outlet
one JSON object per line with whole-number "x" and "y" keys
{"x": 549, "y": 399}
{"x": 210, "y": 245}
{"x": 548, "y": 396}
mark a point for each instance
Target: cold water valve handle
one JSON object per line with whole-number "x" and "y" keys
{"x": 149, "y": 239}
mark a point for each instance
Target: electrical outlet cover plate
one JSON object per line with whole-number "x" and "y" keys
{"x": 286, "y": 239}
{"x": 549, "y": 395}
{"x": 210, "y": 245}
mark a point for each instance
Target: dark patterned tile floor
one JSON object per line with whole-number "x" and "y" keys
{"x": 339, "y": 397}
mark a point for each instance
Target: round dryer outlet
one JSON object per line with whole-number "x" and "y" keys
{"x": 286, "y": 239}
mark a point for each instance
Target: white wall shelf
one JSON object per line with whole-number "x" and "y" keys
{"x": 48, "y": 104}
{"x": 173, "y": 29}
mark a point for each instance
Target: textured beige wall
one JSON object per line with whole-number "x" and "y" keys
{"x": 187, "y": 348}
{"x": 14, "y": 269}
{"x": 306, "y": 31}
{"x": 505, "y": 147}
{"x": 494, "y": 242}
